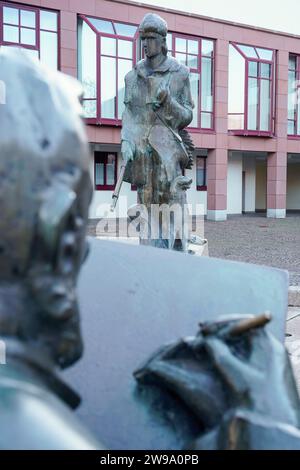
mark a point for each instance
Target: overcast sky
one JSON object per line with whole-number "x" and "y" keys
{"x": 280, "y": 15}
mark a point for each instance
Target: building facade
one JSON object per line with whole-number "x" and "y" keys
{"x": 244, "y": 82}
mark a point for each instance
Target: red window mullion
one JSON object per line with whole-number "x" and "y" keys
{"x": 200, "y": 82}
{"x": 1, "y": 24}
{"x": 38, "y": 33}
{"x": 117, "y": 80}
{"x": 258, "y": 98}
{"x": 19, "y": 25}
{"x": 98, "y": 68}
{"x": 246, "y": 94}
{"x": 297, "y": 95}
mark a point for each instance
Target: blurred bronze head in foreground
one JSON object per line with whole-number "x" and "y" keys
{"x": 45, "y": 191}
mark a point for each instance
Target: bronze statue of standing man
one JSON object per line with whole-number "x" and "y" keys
{"x": 155, "y": 147}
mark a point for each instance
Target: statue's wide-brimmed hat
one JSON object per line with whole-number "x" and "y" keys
{"x": 153, "y": 23}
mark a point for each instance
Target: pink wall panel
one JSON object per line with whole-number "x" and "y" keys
{"x": 68, "y": 20}
{"x": 85, "y": 7}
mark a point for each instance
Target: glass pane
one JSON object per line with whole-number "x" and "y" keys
{"x": 192, "y": 61}
{"x": 252, "y": 103}
{"x": 110, "y": 170}
{"x": 108, "y": 46}
{"x": 102, "y": 26}
{"x": 207, "y": 47}
{"x": 48, "y": 20}
{"x": 87, "y": 59}
{"x": 206, "y": 85}
{"x": 48, "y": 49}
{"x": 248, "y": 51}
{"x": 291, "y": 128}
{"x": 169, "y": 41}
{"x": 193, "y": 47}
{"x": 194, "y": 80}
{"x": 253, "y": 69}
{"x": 124, "y": 66}
{"x": 292, "y": 94}
{"x": 181, "y": 58}
{"x": 90, "y": 108}
{"x": 180, "y": 45}
{"x": 28, "y": 36}
{"x": 236, "y": 82}
{"x": 108, "y": 87}
{"x": 206, "y": 121}
{"x": 99, "y": 174}
{"x": 235, "y": 121}
{"x": 28, "y": 18}
{"x": 125, "y": 29}
{"x": 125, "y": 49}
{"x": 264, "y": 54}
{"x": 265, "y": 70}
{"x": 11, "y": 33}
{"x": 265, "y": 105}
{"x": 200, "y": 171}
{"x": 298, "y": 112}
{"x": 10, "y": 15}
{"x": 292, "y": 62}
{"x": 200, "y": 177}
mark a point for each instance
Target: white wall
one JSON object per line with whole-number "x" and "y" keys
{"x": 249, "y": 166}
{"x": 195, "y": 197}
{"x": 234, "y": 183}
{"x": 293, "y": 186}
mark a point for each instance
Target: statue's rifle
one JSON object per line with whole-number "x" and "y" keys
{"x": 117, "y": 190}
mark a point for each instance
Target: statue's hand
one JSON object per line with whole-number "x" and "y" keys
{"x": 127, "y": 151}
{"x": 256, "y": 369}
{"x": 162, "y": 95}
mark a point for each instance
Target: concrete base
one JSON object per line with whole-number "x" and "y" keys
{"x": 194, "y": 249}
{"x": 217, "y": 215}
{"x": 276, "y": 213}
{"x": 294, "y": 296}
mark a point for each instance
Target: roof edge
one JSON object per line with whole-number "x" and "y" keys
{"x": 209, "y": 18}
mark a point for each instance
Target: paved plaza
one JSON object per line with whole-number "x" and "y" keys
{"x": 257, "y": 239}
{"x": 248, "y": 238}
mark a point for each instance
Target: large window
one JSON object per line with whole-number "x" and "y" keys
{"x": 293, "y": 96}
{"x": 33, "y": 29}
{"x": 105, "y": 170}
{"x": 106, "y": 53}
{"x": 107, "y": 50}
{"x": 198, "y": 55}
{"x": 251, "y": 90}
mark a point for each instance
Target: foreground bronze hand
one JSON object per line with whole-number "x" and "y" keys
{"x": 236, "y": 378}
